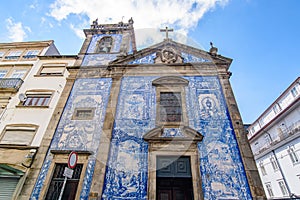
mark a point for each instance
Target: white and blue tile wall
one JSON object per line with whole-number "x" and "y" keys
{"x": 222, "y": 172}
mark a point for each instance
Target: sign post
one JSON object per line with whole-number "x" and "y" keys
{"x": 68, "y": 173}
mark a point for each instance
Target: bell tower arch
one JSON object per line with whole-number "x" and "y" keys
{"x": 105, "y": 42}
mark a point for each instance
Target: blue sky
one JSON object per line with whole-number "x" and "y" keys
{"x": 261, "y": 36}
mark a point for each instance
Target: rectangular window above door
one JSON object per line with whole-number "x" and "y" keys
{"x": 170, "y": 107}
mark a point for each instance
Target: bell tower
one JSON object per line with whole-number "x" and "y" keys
{"x": 105, "y": 42}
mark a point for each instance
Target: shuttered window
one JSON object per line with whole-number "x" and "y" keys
{"x": 18, "y": 135}
{"x": 52, "y": 69}
{"x": 37, "y": 100}
{"x": 7, "y": 187}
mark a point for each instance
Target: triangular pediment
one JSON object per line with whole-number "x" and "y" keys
{"x": 175, "y": 134}
{"x": 170, "y": 52}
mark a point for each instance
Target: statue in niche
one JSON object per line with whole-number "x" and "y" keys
{"x": 168, "y": 55}
{"x": 104, "y": 45}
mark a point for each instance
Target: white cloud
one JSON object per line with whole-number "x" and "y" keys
{"x": 78, "y": 31}
{"x": 34, "y": 4}
{"x": 16, "y": 31}
{"x": 182, "y": 15}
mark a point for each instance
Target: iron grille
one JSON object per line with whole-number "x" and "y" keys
{"x": 58, "y": 180}
{"x": 10, "y": 83}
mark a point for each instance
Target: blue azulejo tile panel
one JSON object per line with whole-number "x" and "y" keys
{"x": 222, "y": 172}
{"x": 117, "y": 40}
{"x": 80, "y": 135}
{"x": 98, "y": 59}
{"x": 127, "y": 168}
{"x": 189, "y": 58}
{"x": 42, "y": 176}
{"x": 149, "y": 59}
{"x": 84, "y": 135}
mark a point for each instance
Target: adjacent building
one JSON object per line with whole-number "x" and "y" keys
{"x": 275, "y": 141}
{"x": 32, "y": 77}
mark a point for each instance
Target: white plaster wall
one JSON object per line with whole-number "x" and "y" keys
{"x": 290, "y": 171}
{"x": 37, "y": 116}
{"x": 271, "y": 176}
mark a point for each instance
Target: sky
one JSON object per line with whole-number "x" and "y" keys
{"x": 261, "y": 36}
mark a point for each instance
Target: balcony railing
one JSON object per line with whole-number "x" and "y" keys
{"x": 284, "y": 134}
{"x": 11, "y": 57}
{"x": 29, "y": 56}
{"x": 12, "y": 84}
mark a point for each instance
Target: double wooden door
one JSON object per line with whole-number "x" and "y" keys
{"x": 174, "y": 179}
{"x": 174, "y": 189}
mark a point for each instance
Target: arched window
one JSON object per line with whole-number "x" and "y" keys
{"x": 104, "y": 45}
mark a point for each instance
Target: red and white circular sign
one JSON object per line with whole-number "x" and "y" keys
{"x": 72, "y": 161}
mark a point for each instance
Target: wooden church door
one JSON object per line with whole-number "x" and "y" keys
{"x": 174, "y": 179}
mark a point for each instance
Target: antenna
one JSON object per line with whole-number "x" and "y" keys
{"x": 22, "y": 97}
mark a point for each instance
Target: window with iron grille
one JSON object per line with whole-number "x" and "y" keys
{"x": 170, "y": 107}
{"x": 57, "y": 183}
{"x": 83, "y": 113}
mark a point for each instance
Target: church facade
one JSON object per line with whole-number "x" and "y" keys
{"x": 158, "y": 123}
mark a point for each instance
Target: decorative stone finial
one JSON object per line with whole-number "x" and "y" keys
{"x": 213, "y": 50}
{"x": 130, "y": 21}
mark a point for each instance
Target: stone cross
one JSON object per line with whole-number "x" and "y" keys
{"x": 167, "y": 31}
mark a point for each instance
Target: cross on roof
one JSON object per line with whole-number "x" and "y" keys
{"x": 167, "y": 31}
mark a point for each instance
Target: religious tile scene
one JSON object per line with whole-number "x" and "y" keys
{"x": 117, "y": 123}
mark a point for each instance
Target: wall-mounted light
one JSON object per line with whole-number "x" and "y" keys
{"x": 29, "y": 158}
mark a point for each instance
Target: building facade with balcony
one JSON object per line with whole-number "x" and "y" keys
{"x": 275, "y": 141}
{"x": 32, "y": 77}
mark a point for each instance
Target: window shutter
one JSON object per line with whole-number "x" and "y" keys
{"x": 53, "y": 70}
{"x": 7, "y": 187}
{"x": 18, "y": 136}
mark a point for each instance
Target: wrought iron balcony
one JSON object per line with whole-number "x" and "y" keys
{"x": 293, "y": 129}
{"x": 10, "y": 84}
{"x": 11, "y": 57}
{"x": 29, "y": 56}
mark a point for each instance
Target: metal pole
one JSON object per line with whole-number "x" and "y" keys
{"x": 62, "y": 189}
